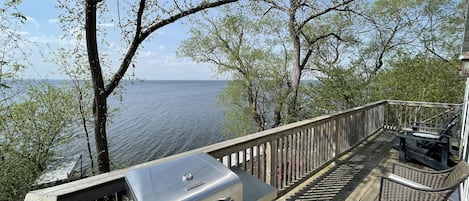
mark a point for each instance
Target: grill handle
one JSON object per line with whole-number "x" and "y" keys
{"x": 225, "y": 199}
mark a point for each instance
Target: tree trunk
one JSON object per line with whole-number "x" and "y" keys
{"x": 100, "y": 102}
{"x": 101, "y": 92}
{"x": 252, "y": 99}
{"x": 296, "y": 68}
{"x": 85, "y": 127}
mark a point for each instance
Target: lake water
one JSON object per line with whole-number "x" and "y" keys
{"x": 161, "y": 118}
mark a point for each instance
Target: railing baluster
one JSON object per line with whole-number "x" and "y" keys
{"x": 228, "y": 160}
{"x": 289, "y": 158}
{"x": 264, "y": 162}
{"x": 326, "y": 143}
{"x": 318, "y": 143}
{"x": 260, "y": 157}
{"x": 280, "y": 163}
{"x": 245, "y": 159}
{"x": 335, "y": 136}
{"x": 271, "y": 151}
{"x": 285, "y": 161}
{"x": 295, "y": 157}
{"x": 306, "y": 152}
{"x": 332, "y": 148}
{"x": 310, "y": 149}
{"x": 321, "y": 151}
{"x": 250, "y": 164}
{"x": 314, "y": 149}
{"x": 302, "y": 154}
{"x": 298, "y": 154}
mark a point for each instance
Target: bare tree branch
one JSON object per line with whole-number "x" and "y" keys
{"x": 431, "y": 50}
{"x": 275, "y": 5}
{"x": 142, "y": 35}
{"x": 311, "y": 17}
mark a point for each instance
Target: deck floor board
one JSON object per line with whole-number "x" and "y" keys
{"x": 355, "y": 177}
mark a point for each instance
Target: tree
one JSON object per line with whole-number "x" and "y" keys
{"x": 338, "y": 89}
{"x": 13, "y": 44}
{"x": 72, "y": 63}
{"x": 17, "y": 176}
{"x": 267, "y": 48}
{"x": 238, "y": 45}
{"x": 389, "y": 33}
{"x": 143, "y": 19}
{"x": 305, "y": 24}
{"x": 32, "y": 132}
{"x": 33, "y": 125}
{"x": 421, "y": 78}
{"x": 306, "y": 28}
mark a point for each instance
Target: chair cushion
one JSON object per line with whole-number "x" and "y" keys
{"x": 408, "y": 182}
{"x": 426, "y": 135}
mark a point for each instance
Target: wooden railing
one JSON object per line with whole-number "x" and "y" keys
{"x": 282, "y": 156}
{"x": 430, "y": 116}
{"x": 291, "y": 152}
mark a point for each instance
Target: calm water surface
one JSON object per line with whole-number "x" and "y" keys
{"x": 161, "y": 118}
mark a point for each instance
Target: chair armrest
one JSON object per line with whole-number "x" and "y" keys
{"x": 407, "y": 182}
{"x": 433, "y": 179}
{"x": 392, "y": 189}
{"x": 426, "y": 135}
{"x": 413, "y": 137}
{"x": 426, "y": 129}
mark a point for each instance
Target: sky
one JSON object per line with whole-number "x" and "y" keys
{"x": 156, "y": 61}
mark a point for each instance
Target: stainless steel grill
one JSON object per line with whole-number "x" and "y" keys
{"x": 195, "y": 177}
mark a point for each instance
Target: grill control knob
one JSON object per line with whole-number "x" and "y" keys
{"x": 187, "y": 177}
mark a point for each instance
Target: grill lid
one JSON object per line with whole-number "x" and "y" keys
{"x": 192, "y": 177}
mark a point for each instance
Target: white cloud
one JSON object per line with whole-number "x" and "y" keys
{"x": 147, "y": 54}
{"x": 106, "y": 25}
{"x": 33, "y": 21}
{"x": 23, "y": 33}
{"x": 170, "y": 67}
{"x": 53, "y": 21}
{"x": 114, "y": 48}
{"x": 8, "y": 32}
{"x": 160, "y": 33}
{"x": 167, "y": 60}
{"x": 52, "y": 41}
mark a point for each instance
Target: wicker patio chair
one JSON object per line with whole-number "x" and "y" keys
{"x": 408, "y": 183}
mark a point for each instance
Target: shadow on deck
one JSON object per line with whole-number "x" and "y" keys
{"x": 355, "y": 176}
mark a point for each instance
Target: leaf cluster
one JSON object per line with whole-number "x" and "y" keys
{"x": 420, "y": 78}
{"x": 246, "y": 48}
{"x": 31, "y": 132}
{"x": 13, "y": 54}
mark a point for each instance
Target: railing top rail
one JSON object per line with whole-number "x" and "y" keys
{"x": 422, "y": 104}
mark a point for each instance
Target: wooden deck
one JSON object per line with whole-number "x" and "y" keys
{"x": 345, "y": 152}
{"x": 355, "y": 176}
